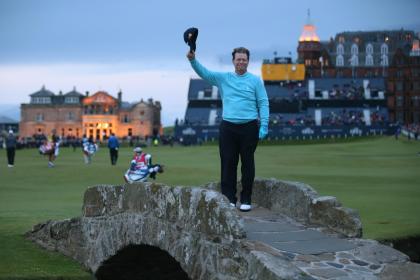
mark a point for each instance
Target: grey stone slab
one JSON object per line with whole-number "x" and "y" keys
{"x": 326, "y": 272}
{"x": 269, "y": 227}
{"x": 314, "y": 246}
{"x": 286, "y": 236}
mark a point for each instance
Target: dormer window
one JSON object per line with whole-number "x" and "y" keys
{"x": 354, "y": 49}
{"x": 340, "y": 49}
{"x": 369, "y": 60}
{"x": 41, "y": 100}
{"x": 384, "y": 60}
{"x": 384, "y": 49}
{"x": 369, "y": 49}
{"x": 339, "y": 60}
{"x": 354, "y": 61}
{"x": 71, "y": 100}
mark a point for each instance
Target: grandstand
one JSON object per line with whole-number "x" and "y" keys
{"x": 312, "y": 108}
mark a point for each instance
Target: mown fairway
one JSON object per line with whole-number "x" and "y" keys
{"x": 379, "y": 177}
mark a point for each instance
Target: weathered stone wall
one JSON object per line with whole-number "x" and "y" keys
{"x": 196, "y": 226}
{"x": 301, "y": 202}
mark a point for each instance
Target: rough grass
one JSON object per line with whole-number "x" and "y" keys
{"x": 379, "y": 177}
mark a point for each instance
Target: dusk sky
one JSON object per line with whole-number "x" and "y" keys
{"x": 137, "y": 45}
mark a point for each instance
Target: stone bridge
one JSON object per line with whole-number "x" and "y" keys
{"x": 159, "y": 232}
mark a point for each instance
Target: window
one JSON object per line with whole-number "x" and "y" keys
{"x": 369, "y": 60}
{"x": 339, "y": 61}
{"x": 369, "y": 49}
{"x": 341, "y": 39}
{"x": 400, "y": 117}
{"x": 340, "y": 49}
{"x": 399, "y": 86}
{"x": 384, "y": 49}
{"x": 354, "y": 61}
{"x": 71, "y": 99}
{"x": 207, "y": 93}
{"x": 415, "y": 101}
{"x": 70, "y": 116}
{"x": 354, "y": 49}
{"x": 384, "y": 60}
{"x": 41, "y": 100}
{"x": 142, "y": 113}
{"x": 390, "y": 86}
{"x": 400, "y": 101}
{"x": 125, "y": 119}
{"x": 39, "y": 117}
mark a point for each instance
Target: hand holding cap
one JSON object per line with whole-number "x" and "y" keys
{"x": 190, "y": 37}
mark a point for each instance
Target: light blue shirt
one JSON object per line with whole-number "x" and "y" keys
{"x": 243, "y": 96}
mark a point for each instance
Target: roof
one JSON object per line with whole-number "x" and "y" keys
{"x": 42, "y": 92}
{"x": 197, "y": 85}
{"x": 73, "y": 93}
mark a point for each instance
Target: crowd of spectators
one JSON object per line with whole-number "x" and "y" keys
{"x": 346, "y": 92}
{"x": 412, "y": 130}
{"x": 335, "y": 117}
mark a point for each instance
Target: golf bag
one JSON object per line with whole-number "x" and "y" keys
{"x": 141, "y": 169}
{"x": 141, "y": 175}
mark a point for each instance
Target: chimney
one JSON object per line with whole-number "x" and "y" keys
{"x": 119, "y": 97}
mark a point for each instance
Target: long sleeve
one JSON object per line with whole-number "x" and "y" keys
{"x": 212, "y": 77}
{"x": 263, "y": 105}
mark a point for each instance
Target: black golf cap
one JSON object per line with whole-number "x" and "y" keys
{"x": 190, "y": 36}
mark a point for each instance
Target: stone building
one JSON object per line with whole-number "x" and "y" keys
{"x": 97, "y": 115}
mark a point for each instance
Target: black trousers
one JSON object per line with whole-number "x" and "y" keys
{"x": 11, "y": 156}
{"x": 237, "y": 140}
{"x": 113, "y": 152}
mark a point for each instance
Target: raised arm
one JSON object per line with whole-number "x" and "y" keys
{"x": 212, "y": 77}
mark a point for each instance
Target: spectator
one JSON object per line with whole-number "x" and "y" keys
{"x": 113, "y": 146}
{"x": 11, "y": 148}
{"x": 89, "y": 150}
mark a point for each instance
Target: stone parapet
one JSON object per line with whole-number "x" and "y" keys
{"x": 301, "y": 202}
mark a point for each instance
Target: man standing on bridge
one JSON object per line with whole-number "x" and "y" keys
{"x": 244, "y": 102}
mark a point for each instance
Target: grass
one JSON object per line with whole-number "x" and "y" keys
{"x": 379, "y": 177}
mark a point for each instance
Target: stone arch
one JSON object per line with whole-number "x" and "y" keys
{"x": 141, "y": 262}
{"x": 195, "y": 226}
